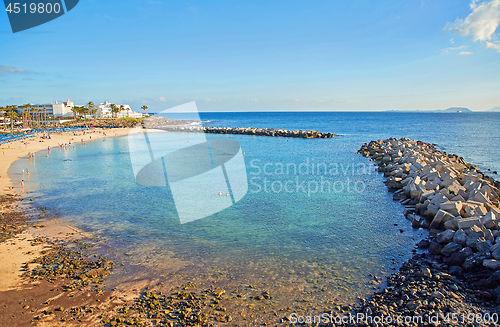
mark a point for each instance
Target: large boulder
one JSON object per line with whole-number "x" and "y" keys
{"x": 450, "y": 248}
{"x": 438, "y": 199}
{"x": 458, "y": 258}
{"x": 451, "y": 224}
{"x": 494, "y": 280}
{"x": 474, "y": 261}
{"x": 488, "y": 235}
{"x": 460, "y": 237}
{"x": 452, "y": 207}
{"x": 496, "y": 253}
{"x": 472, "y": 209}
{"x": 431, "y": 211}
{"x": 483, "y": 246}
{"x": 445, "y": 237}
{"x": 474, "y": 235}
{"x": 440, "y": 218}
{"x": 435, "y": 247}
{"x": 464, "y": 223}
{"x": 492, "y": 264}
{"x": 488, "y": 220}
{"x": 479, "y": 197}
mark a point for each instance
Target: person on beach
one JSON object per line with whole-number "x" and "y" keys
{"x": 22, "y": 183}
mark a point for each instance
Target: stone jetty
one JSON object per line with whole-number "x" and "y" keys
{"x": 168, "y": 125}
{"x": 457, "y": 203}
{"x": 311, "y": 134}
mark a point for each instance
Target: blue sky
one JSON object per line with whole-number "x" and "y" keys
{"x": 260, "y": 55}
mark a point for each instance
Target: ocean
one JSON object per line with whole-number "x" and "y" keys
{"x": 320, "y": 229}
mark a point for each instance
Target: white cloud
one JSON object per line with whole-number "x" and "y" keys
{"x": 447, "y": 50}
{"x": 493, "y": 45}
{"x": 6, "y": 69}
{"x": 162, "y": 99}
{"x": 464, "y": 53}
{"x": 481, "y": 24}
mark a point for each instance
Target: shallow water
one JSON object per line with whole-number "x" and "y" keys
{"x": 326, "y": 240}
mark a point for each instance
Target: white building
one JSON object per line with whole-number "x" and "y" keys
{"x": 62, "y": 109}
{"x": 105, "y": 110}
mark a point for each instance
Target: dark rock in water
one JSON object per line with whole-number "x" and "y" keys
{"x": 435, "y": 248}
{"x": 458, "y": 258}
{"x": 456, "y": 270}
{"x": 423, "y": 244}
{"x": 450, "y": 248}
{"x": 473, "y": 261}
{"x": 496, "y": 254}
{"x": 496, "y": 291}
{"x": 483, "y": 246}
{"x": 494, "y": 280}
{"x": 492, "y": 264}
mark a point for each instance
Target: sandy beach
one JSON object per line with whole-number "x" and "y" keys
{"x": 13, "y": 254}
{"x": 33, "y": 239}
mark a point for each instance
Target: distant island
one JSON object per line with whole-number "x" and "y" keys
{"x": 495, "y": 109}
{"x": 455, "y": 109}
{"x": 449, "y": 110}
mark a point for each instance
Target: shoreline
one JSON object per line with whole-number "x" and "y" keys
{"x": 31, "y": 236}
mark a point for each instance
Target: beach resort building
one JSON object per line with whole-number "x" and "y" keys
{"x": 56, "y": 109}
{"x": 105, "y": 110}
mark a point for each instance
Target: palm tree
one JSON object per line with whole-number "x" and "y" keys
{"x": 28, "y": 109}
{"x": 144, "y": 107}
{"x": 74, "y": 110}
{"x": 122, "y": 107}
{"x": 115, "y": 110}
{"x": 45, "y": 116}
{"x": 25, "y": 115}
{"x": 12, "y": 115}
{"x": 93, "y": 111}
{"x": 89, "y": 108}
{"x": 36, "y": 116}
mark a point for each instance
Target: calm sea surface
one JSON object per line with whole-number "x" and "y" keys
{"x": 324, "y": 241}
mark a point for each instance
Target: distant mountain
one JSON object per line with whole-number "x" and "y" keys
{"x": 456, "y": 109}
{"x": 495, "y": 109}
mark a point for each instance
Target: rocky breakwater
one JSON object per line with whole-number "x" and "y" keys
{"x": 310, "y": 134}
{"x": 250, "y": 131}
{"x": 187, "y": 127}
{"x": 451, "y": 198}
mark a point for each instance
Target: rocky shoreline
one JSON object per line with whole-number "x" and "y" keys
{"x": 456, "y": 282}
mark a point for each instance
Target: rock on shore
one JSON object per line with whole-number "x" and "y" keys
{"x": 451, "y": 198}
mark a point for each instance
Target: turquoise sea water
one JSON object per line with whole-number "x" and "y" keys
{"x": 334, "y": 236}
